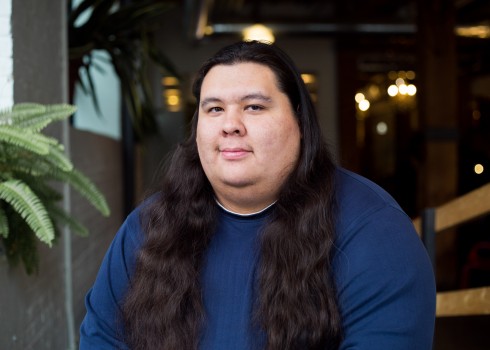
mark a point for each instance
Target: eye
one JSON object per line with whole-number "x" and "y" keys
{"x": 255, "y": 108}
{"x": 215, "y": 109}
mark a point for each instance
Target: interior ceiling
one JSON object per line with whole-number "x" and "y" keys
{"x": 368, "y": 25}
{"x": 340, "y": 12}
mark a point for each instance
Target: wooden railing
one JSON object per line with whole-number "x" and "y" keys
{"x": 465, "y": 302}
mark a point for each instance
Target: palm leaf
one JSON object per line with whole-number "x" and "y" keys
{"x": 125, "y": 33}
{"x": 30, "y": 208}
{"x": 160, "y": 59}
{"x": 81, "y": 8}
{"x": 135, "y": 16}
{"x": 91, "y": 84}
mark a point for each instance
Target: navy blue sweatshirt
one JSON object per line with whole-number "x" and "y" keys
{"x": 384, "y": 279}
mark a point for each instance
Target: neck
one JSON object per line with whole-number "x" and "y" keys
{"x": 247, "y": 199}
{"x": 244, "y": 213}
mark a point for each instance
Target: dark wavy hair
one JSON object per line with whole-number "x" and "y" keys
{"x": 297, "y": 304}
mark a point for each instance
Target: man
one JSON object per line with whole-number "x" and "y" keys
{"x": 256, "y": 239}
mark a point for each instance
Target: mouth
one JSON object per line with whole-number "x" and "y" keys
{"x": 234, "y": 153}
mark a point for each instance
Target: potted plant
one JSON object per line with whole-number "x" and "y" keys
{"x": 125, "y": 30}
{"x": 31, "y": 163}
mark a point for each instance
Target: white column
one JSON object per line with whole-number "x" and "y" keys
{"x": 6, "y": 60}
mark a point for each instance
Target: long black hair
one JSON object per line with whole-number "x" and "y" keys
{"x": 297, "y": 304}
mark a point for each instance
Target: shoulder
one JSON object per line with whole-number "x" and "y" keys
{"x": 130, "y": 237}
{"x": 370, "y": 222}
{"x": 376, "y": 242}
{"x": 358, "y": 196}
{"x": 384, "y": 278}
{"x": 134, "y": 222}
{"x": 364, "y": 204}
{"x": 131, "y": 233}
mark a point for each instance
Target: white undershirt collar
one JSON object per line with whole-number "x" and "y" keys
{"x": 244, "y": 215}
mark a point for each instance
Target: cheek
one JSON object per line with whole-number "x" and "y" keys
{"x": 204, "y": 141}
{"x": 292, "y": 143}
{"x": 288, "y": 137}
{"x": 201, "y": 134}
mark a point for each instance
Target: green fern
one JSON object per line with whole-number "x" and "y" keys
{"x": 63, "y": 218}
{"x": 57, "y": 158}
{"x": 85, "y": 187}
{"x": 29, "y": 162}
{"x": 4, "y": 224}
{"x": 30, "y": 141}
{"x": 27, "y": 204}
{"x": 35, "y": 117}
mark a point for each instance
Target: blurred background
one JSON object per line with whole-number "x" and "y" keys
{"x": 401, "y": 87}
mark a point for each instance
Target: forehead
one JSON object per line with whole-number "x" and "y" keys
{"x": 240, "y": 76}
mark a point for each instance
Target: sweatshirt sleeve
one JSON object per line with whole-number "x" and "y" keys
{"x": 102, "y": 326}
{"x": 385, "y": 284}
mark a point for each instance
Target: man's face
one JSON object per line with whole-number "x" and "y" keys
{"x": 247, "y": 135}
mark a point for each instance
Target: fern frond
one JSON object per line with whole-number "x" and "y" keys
{"x": 32, "y": 166}
{"x": 44, "y": 190}
{"x": 36, "y": 143}
{"x": 27, "y": 204}
{"x": 36, "y": 117}
{"x": 86, "y": 188}
{"x": 8, "y": 116}
{"x": 29, "y": 161}
{"x": 4, "y": 224}
{"x": 61, "y": 217}
{"x": 26, "y": 162}
{"x": 58, "y": 158}
{"x": 20, "y": 106}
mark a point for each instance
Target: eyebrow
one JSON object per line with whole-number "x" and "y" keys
{"x": 254, "y": 96}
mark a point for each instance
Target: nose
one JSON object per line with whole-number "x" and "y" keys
{"x": 233, "y": 124}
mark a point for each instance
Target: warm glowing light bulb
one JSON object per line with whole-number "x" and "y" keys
{"x": 373, "y": 91}
{"x": 403, "y": 89}
{"x": 381, "y": 128}
{"x": 364, "y": 105}
{"x": 410, "y": 75}
{"x": 392, "y": 75}
{"x": 359, "y": 97}
{"x": 173, "y": 100}
{"x": 392, "y": 90}
{"x": 208, "y": 30}
{"x": 479, "y": 169}
{"x": 258, "y": 32}
{"x": 474, "y": 31}
{"x": 411, "y": 89}
{"x": 308, "y": 78}
{"x": 399, "y": 82}
{"x": 170, "y": 81}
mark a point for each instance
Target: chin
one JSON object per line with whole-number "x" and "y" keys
{"x": 238, "y": 183}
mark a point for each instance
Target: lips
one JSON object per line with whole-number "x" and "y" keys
{"x": 232, "y": 153}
